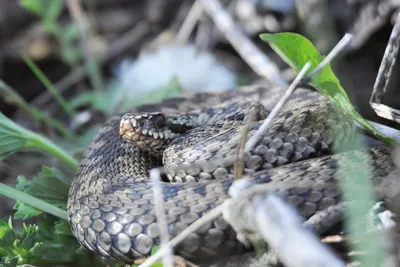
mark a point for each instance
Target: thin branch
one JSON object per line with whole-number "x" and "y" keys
{"x": 294, "y": 244}
{"x": 257, "y": 209}
{"x": 335, "y": 51}
{"x": 275, "y": 111}
{"x": 388, "y": 61}
{"x": 209, "y": 216}
{"x": 189, "y": 23}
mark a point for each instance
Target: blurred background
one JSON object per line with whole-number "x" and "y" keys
{"x": 116, "y": 32}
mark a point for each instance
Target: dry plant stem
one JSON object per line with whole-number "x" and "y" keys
{"x": 275, "y": 111}
{"x": 161, "y": 218}
{"x": 383, "y": 77}
{"x": 189, "y": 23}
{"x": 258, "y": 61}
{"x": 258, "y": 209}
{"x": 276, "y": 221}
{"x": 239, "y": 159}
{"x": 211, "y": 215}
{"x": 77, "y": 13}
{"x": 335, "y": 51}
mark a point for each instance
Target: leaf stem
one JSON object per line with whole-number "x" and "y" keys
{"x": 37, "y": 141}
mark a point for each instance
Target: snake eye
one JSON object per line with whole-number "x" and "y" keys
{"x": 160, "y": 121}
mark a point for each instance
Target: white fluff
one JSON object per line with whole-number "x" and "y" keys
{"x": 197, "y": 72}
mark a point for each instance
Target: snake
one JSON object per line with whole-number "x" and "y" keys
{"x": 195, "y": 138}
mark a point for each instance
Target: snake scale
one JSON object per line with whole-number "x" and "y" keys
{"x": 110, "y": 205}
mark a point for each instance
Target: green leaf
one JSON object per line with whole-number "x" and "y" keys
{"x": 54, "y": 8}
{"x": 11, "y": 140}
{"x": 15, "y": 194}
{"x": 71, "y": 33}
{"x": 38, "y": 245}
{"x": 7, "y": 236}
{"x": 47, "y": 9}
{"x": 25, "y": 211}
{"x": 29, "y": 236}
{"x": 50, "y": 185}
{"x": 63, "y": 228}
{"x": 10, "y": 262}
{"x": 65, "y": 236}
{"x": 34, "y": 6}
{"x": 154, "y": 249}
{"x": 15, "y": 137}
{"x": 296, "y": 51}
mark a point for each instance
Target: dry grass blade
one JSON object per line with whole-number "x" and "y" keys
{"x": 239, "y": 161}
{"x": 161, "y": 218}
{"x": 211, "y": 215}
{"x": 77, "y": 13}
{"x": 259, "y": 62}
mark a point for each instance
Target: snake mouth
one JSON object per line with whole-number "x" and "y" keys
{"x": 149, "y": 131}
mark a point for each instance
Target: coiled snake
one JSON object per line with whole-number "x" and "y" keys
{"x": 110, "y": 205}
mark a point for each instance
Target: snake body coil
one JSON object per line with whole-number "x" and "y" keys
{"x": 110, "y": 205}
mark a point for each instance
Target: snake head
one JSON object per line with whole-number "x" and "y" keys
{"x": 151, "y": 132}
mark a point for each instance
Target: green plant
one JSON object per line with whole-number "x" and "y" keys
{"x": 49, "y": 11}
{"x": 11, "y": 96}
{"x": 296, "y": 51}
{"x": 52, "y": 243}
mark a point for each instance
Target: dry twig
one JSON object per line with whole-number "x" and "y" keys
{"x": 189, "y": 23}
{"x": 258, "y": 209}
{"x": 275, "y": 111}
{"x": 384, "y": 73}
{"x": 259, "y": 62}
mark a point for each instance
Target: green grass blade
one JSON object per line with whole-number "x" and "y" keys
{"x": 15, "y": 194}
{"x": 49, "y": 85}
{"x": 94, "y": 72}
{"x": 11, "y": 95}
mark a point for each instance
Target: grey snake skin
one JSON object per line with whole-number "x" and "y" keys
{"x": 110, "y": 204}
